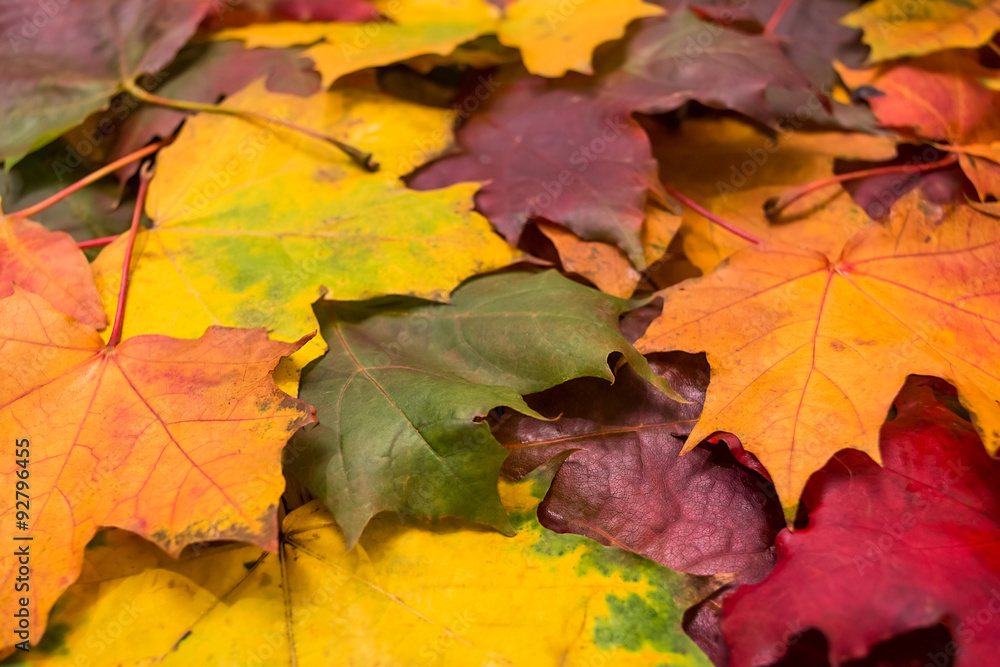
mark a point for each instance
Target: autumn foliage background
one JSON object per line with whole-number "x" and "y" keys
{"x": 525, "y": 332}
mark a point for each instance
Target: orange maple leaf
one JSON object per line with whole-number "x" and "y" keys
{"x": 49, "y": 264}
{"x": 941, "y": 98}
{"x": 176, "y": 440}
{"x": 808, "y": 348}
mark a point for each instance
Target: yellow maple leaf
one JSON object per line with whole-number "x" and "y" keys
{"x": 556, "y": 36}
{"x": 252, "y": 224}
{"x": 894, "y": 29}
{"x": 404, "y": 596}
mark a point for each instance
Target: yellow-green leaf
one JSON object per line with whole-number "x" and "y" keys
{"x": 894, "y": 29}
{"x": 411, "y": 28}
{"x": 252, "y": 224}
{"x": 405, "y": 596}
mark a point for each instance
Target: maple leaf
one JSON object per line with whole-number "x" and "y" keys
{"x": 553, "y": 153}
{"x": 50, "y": 265}
{"x": 250, "y": 224}
{"x": 807, "y": 346}
{"x": 679, "y": 58}
{"x": 65, "y": 61}
{"x": 809, "y": 35}
{"x": 732, "y": 169}
{"x": 600, "y": 263}
{"x": 176, "y": 440}
{"x": 414, "y": 28}
{"x": 204, "y": 73}
{"x": 400, "y": 388}
{"x": 405, "y": 595}
{"x": 941, "y": 98}
{"x": 555, "y": 37}
{"x": 623, "y": 483}
{"x": 893, "y": 31}
{"x": 904, "y": 546}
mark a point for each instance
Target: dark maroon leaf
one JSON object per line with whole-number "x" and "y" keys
{"x": 678, "y": 58}
{"x": 553, "y": 153}
{"x": 62, "y": 61}
{"x": 625, "y": 485}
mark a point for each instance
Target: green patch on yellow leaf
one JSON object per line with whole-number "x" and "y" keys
{"x": 252, "y": 224}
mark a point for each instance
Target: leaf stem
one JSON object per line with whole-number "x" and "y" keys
{"x": 87, "y": 180}
{"x": 93, "y": 243}
{"x": 145, "y": 175}
{"x": 774, "y": 207}
{"x": 746, "y": 236}
{"x": 779, "y": 13}
{"x": 362, "y": 159}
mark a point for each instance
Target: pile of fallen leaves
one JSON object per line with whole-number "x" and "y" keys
{"x": 524, "y": 332}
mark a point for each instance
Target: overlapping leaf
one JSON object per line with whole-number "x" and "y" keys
{"x": 810, "y": 37}
{"x": 176, "y": 440}
{"x": 203, "y": 73}
{"x": 600, "y": 263}
{"x": 556, "y": 37}
{"x": 411, "y": 28}
{"x": 732, "y": 169}
{"x": 903, "y": 546}
{"x": 681, "y": 58}
{"x": 251, "y": 223}
{"x": 403, "y": 596}
{"x": 894, "y": 30}
{"x": 50, "y": 265}
{"x": 810, "y": 34}
{"x": 400, "y": 391}
{"x": 808, "y": 347}
{"x": 624, "y": 484}
{"x": 554, "y": 153}
{"x": 941, "y": 98}
{"x": 64, "y": 61}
